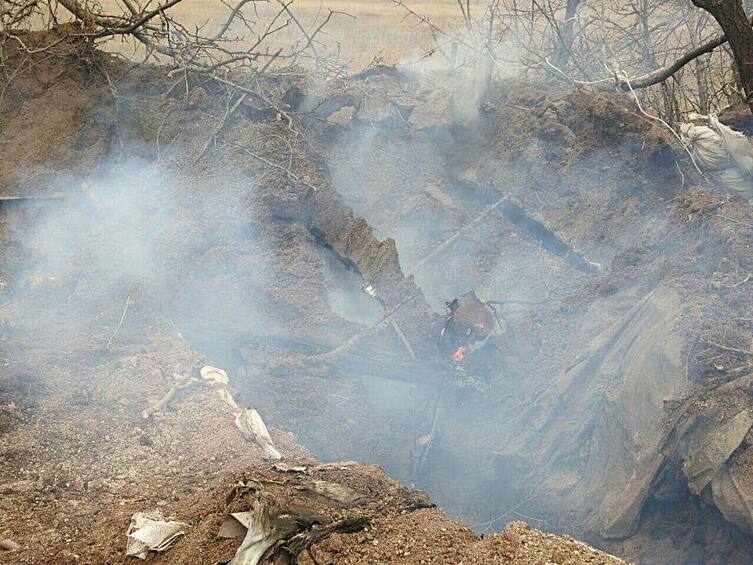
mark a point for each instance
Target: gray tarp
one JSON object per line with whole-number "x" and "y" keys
{"x": 595, "y": 434}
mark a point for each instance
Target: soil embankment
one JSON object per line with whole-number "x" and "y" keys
{"x": 172, "y": 237}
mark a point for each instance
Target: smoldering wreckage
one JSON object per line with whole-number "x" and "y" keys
{"x": 536, "y": 313}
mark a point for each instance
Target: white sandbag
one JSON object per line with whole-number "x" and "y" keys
{"x": 707, "y": 147}
{"x": 737, "y": 144}
{"x": 725, "y": 153}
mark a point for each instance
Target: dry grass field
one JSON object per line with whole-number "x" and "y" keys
{"x": 360, "y": 32}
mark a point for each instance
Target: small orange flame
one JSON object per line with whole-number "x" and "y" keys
{"x": 459, "y": 355}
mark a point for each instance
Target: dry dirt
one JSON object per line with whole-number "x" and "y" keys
{"x": 78, "y": 458}
{"x": 81, "y": 460}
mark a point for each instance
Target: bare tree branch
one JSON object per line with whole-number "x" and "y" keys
{"x": 662, "y": 74}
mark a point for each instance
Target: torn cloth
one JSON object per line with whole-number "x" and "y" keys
{"x": 248, "y": 421}
{"x": 149, "y": 531}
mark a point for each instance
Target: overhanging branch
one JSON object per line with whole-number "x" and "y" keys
{"x": 662, "y": 74}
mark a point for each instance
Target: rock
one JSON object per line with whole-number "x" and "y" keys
{"x": 733, "y": 496}
{"x": 713, "y": 448}
{"x": 616, "y": 395}
{"x": 9, "y": 545}
{"x": 709, "y": 439}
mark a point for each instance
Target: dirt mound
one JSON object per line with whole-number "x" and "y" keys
{"x": 79, "y": 455}
{"x": 400, "y": 528}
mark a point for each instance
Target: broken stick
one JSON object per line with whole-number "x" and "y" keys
{"x": 288, "y": 552}
{"x": 446, "y": 243}
{"x": 358, "y": 337}
{"x": 403, "y": 339}
{"x": 169, "y": 395}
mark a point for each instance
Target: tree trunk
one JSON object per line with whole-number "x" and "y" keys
{"x": 730, "y": 14}
{"x": 566, "y": 35}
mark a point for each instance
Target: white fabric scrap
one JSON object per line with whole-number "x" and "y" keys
{"x": 249, "y": 421}
{"x": 215, "y": 375}
{"x": 236, "y": 525}
{"x": 149, "y": 531}
{"x": 219, "y": 379}
{"x": 252, "y": 427}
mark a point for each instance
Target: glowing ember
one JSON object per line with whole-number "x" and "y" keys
{"x": 459, "y": 355}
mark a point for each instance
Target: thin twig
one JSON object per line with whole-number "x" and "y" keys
{"x": 220, "y": 127}
{"x": 403, "y": 339}
{"x": 660, "y": 120}
{"x": 733, "y": 220}
{"x": 277, "y": 166}
{"x": 726, "y": 347}
{"x": 167, "y": 398}
{"x": 122, "y": 318}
